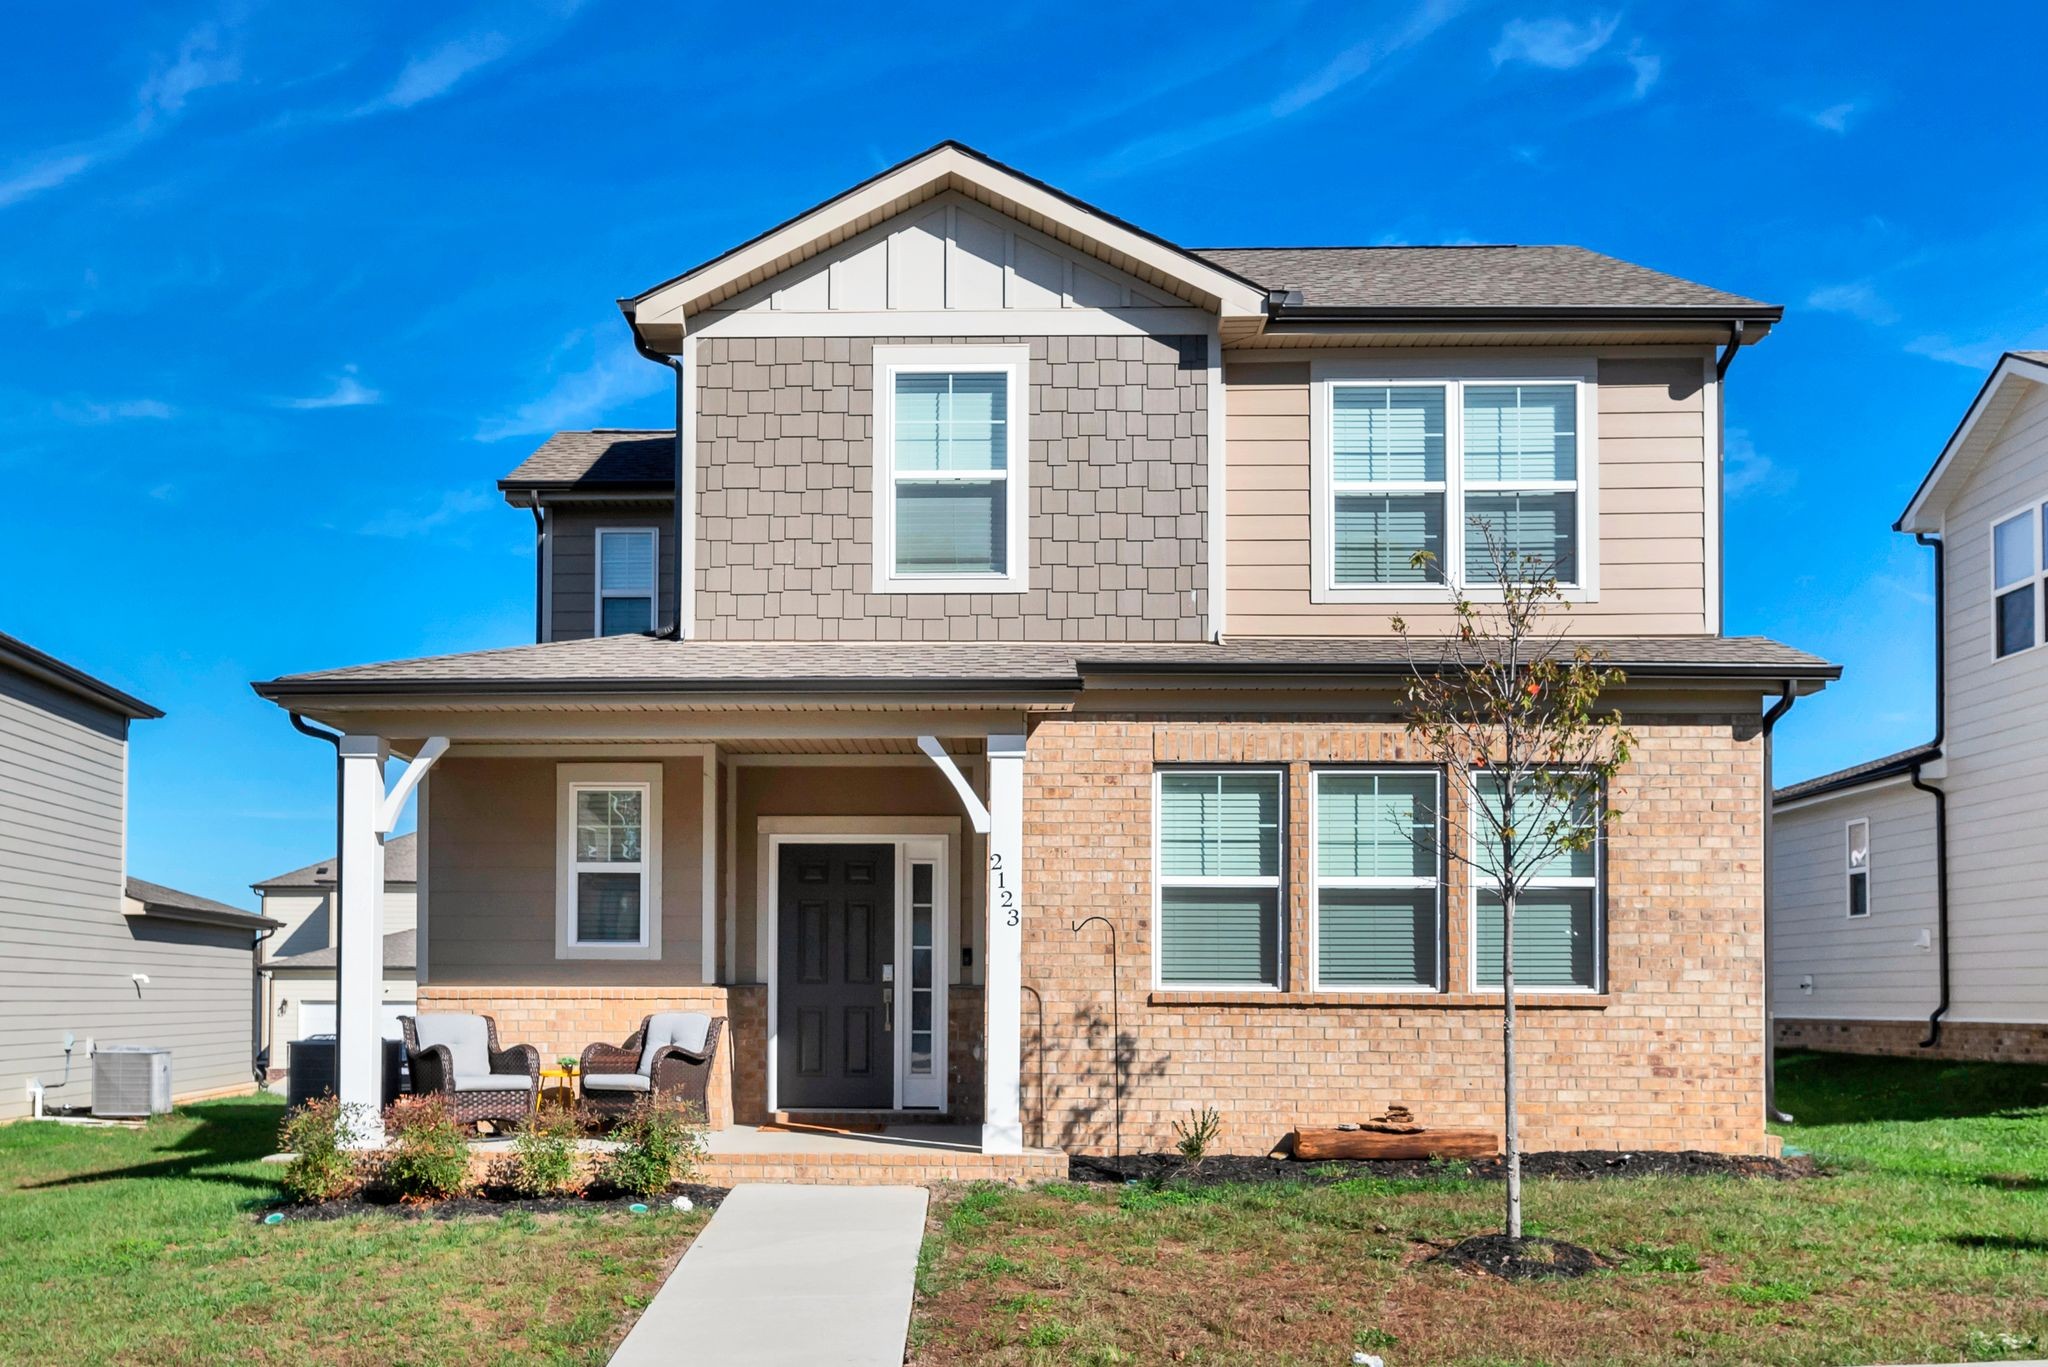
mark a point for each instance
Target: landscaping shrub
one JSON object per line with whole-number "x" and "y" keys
{"x": 428, "y": 1159}
{"x": 323, "y": 1167}
{"x": 544, "y": 1154}
{"x": 660, "y": 1142}
{"x": 1197, "y": 1135}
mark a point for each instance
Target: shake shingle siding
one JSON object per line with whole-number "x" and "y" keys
{"x": 1118, "y": 493}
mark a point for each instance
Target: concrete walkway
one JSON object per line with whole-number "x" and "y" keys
{"x": 789, "y": 1275}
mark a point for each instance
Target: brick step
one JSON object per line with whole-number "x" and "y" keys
{"x": 860, "y": 1119}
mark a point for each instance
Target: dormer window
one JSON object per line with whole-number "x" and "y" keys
{"x": 626, "y": 559}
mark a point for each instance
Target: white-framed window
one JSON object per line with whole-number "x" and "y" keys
{"x": 1559, "y": 917}
{"x": 1218, "y": 892}
{"x": 2017, "y": 574}
{"x": 1407, "y": 456}
{"x": 626, "y": 577}
{"x": 608, "y": 861}
{"x": 1377, "y": 920}
{"x": 951, "y": 470}
{"x": 1856, "y": 867}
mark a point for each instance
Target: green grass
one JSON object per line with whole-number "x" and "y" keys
{"x": 143, "y": 1246}
{"x": 1929, "y": 1243}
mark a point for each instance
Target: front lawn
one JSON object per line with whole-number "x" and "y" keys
{"x": 143, "y": 1246}
{"x": 1930, "y": 1243}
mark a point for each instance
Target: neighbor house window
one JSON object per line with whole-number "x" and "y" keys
{"x": 1377, "y": 893}
{"x": 625, "y": 580}
{"x": 1448, "y": 468}
{"x": 1219, "y": 877}
{"x": 950, "y": 469}
{"x": 2016, "y": 574}
{"x": 1857, "y": 866}
{"x": 1558, "y": 914}
{"x": 608, "y": 894}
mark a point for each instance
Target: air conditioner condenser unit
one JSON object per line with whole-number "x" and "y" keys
{"x": 130, "y": 1081}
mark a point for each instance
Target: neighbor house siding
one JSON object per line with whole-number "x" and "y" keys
{"x": 1652, "y": 470}
{"x": 572, "y": 562}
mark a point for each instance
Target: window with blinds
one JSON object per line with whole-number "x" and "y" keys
{"x": 625, "y": 580}
{"x": 1219, "y": 877}
{"x": 1378, "y": 896}
{"x": 1387, "y": 482}
{"x": 1558, "y": 914}
{"x": 950, "y": 459}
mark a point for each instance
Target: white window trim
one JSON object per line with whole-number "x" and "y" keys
{"x": 1278, "y": 882}
{"x": 653, "y": 594}
{"x": 1453, "y": 375}
{"x": 1850, "y": 872}
{"x": 569, "y": 780}
{"x": 2033, "y": 512}
{"x": 1015, "y": 363}
{"x": 1597, "y": 883}
{"x": 1317, "y": 882}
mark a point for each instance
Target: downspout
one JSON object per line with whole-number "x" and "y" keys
{"x": 674, "y": 631}
{"x": 1728, "y": 355}
{"x": 1935, "y": 544}
{"x": 257, "y": 1063}
{"x": 333, "y": 739}
{"x": 540, "y": 571}
{"x": 1771, "y": 1111}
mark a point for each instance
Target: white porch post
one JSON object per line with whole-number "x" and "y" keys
{"x": 1002, "y": 1129}
{"x": 359, "y": 1050}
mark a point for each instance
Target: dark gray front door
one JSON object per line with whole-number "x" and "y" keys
{"x": 835, "y": 938}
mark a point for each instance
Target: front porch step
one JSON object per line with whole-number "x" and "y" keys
{"x": 874, "y": 1168}
{"x": 859, "y": 1120}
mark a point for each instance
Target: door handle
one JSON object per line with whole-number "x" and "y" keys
{"x": 888, "y": 1009}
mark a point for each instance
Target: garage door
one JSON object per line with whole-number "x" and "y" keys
{"x": 317, "y": 1018}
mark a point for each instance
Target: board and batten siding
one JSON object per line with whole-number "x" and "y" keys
{"x": 1652, "y": 469}
{"x": 1871, "y": 967}
{"x": 572, "y": 562}
{"x": 67, "y": 951}
{"x": 1997, "y": 748}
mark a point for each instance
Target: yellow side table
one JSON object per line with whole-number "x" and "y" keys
{"x": 567, "y": 1077}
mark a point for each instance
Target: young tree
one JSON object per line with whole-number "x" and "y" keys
{"x": 1510, "y": 708}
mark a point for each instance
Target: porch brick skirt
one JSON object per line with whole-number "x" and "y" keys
{"x": 1978, "y": 1040}
{"x": 565, "y": 1020}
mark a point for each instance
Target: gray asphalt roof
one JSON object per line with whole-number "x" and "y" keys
{"x": 617, "y": 664}
{"x": 1487, "y": 278}
{"x": 401, "y": 865}
{"x": 401, "y": 950}
{"x": 19, "y": 655}
{"x": 620, "y": 459}
{"x": 1885, "y": 766}
{"x": 157, "y": 898}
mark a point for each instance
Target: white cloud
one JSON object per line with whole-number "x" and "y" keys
{"x": 1746, "y": 470}
{"x": 435, "y": 73}
{"x": 620, "y": 376}
{"x": 1969, "y": 355}
{"x": 346, "y": 392}
{"x": 45, "y": 173}
{"x": 88, "y": 413}
{"x": 199, "y": 65}
{"x": 399, "y": 523}
{"x": 1856, "y": 299}
{"x": 1647, "y": 66}
{"x": 1555, "y": 44}
{"x": 1835, "y": 118}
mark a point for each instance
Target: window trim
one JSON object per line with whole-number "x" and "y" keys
{"x": 1596, "y": 882}
{"x": 2036, "y": 583}
{"x": 1453, "y": 374}
{"x": 1850, "y": 873}
{"x": 571, "y": 779}
{"x": 1279, "y": 881}
{"x": 1316, "y": 884}
{"x": 601, "y": 592}
{"x": 1015, "y": 363}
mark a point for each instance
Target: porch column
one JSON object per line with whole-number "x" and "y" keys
{"x": 1002, "y": 1129}
{"x": 359, "y": 1034}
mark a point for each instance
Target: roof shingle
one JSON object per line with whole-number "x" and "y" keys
{"x": 401, "y": 865}
{"x": 624, "y": 460}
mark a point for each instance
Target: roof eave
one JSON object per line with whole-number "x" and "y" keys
{"x": 46, "y": 668}
{"x": 1763, "y": 315}
{"x": 239, "y": 920}
{"x": 1923, "y": 514}
{"x": 1828, "y": 787}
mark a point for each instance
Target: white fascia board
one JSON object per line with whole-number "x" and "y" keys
{"x": 1924, "y": 513}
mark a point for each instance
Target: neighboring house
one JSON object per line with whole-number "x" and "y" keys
{"x": 1032, "y": 569}
{"x": 85, "y": 950}
{"x": 1907, "y": 902}
{"x": 299, "y": 959}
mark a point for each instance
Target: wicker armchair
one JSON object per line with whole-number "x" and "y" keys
{"x": 505, "y": 1091}
{"x": 613, "y": 1079}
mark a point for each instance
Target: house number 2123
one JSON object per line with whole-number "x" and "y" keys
{"x": 1006, "y": 898}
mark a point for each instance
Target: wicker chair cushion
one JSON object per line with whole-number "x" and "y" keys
{"x": 492, "y": 1082}
{"x": 686, "y": 1030}
{"x": 467, "y": 1037}
{"x": 617, "y": 1082}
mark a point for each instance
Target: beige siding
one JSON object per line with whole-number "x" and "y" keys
{"x": 1652, "y": 472}
{"x": 1997, "y": 747}
{"x": 307, "y": 923}
{"x": 572, "y": 563}
{"x": 493, "y": 839}
{"x": 1870, "y": 967}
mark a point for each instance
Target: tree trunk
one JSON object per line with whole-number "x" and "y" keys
{"x": 1511, "y": 1147}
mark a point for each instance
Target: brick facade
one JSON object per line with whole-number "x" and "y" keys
{"x": 1980, "y": 1040}
{"x": 1119, "y": 490}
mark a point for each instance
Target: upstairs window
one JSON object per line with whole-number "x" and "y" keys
{"x": 626, "y": 560}
{"x": 1219, "y": 878}
{"x": 2016, "y": 575}
{"x": 950, "y": 487}
{"x": 1857, "y": 867}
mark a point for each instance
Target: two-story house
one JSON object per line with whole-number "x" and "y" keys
{"x": 1010, "y": 607}
{"x": 1907, "y": 891}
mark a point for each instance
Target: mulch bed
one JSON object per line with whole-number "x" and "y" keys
{"x": 490, "y": 1203}
{"x": 1525, "y": 1259}
{"x": 1566, "y": 1164}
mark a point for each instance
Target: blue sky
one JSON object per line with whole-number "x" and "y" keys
{"x": 287, "y": 287}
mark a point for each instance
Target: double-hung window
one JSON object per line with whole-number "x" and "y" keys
{"x": 1856, "y": 870}
{"x": 1378, "y": 907}
{"x": 1219, "y": 877}
{"x": 626, "y": 559}
{"x": 2016, "y": 578}
{"x": 608, "y": 881}
{"x": 1558, "y": 914}
{"x": 1424, "y": 480}
{"x": 950, "y": 496}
